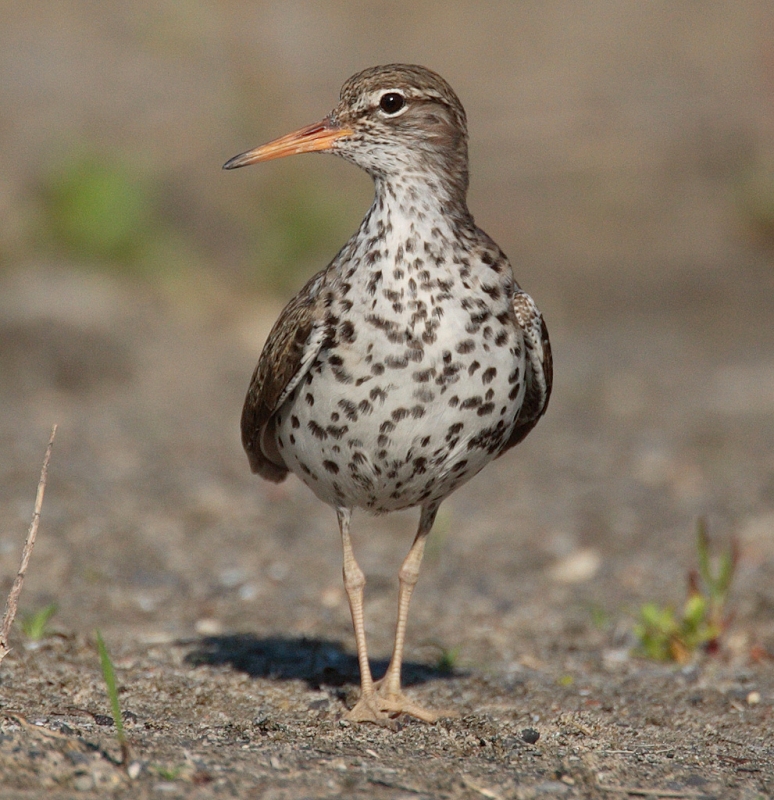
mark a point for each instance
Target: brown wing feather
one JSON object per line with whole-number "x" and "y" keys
{"x": 286, "y": 357}
{"x": 540, "y": 367}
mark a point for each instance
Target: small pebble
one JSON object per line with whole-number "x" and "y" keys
{"x": 530, "y": 735}
{"x": 83, "y": 783}
{"x": 753, "y": 698}
{"x": 134, "y": 770}
{"x": 208, "y": 627}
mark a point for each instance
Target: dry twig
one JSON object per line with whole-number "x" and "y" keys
{"x": 482, "y": 790}
{"x": 641, "y": 791}
{"x": 12, "y": 603}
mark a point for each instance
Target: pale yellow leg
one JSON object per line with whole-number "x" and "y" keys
{"x": 367, "y": 708}
{"x": 408, "y": 577}
{"x": 390, "y": 692}
{"x": 379, "y": 705}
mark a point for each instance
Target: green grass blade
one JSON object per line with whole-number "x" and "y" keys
{"x": 35, "y": 626}
{"x": 108, "y": 673}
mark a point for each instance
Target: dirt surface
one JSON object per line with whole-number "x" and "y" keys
{"x": 220, "y": 596}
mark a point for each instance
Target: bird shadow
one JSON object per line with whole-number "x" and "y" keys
{"x": 318, "y": 662}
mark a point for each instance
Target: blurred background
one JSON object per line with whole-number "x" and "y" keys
{"x": 622, "y": 154}
{"x": 613, "y": 141}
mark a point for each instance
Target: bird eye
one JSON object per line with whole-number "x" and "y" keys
{"x": 392, "y": 102}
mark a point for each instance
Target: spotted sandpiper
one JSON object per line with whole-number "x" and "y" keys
{"x": 413, "y": 359}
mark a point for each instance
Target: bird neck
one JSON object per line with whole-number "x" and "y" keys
{"x": 420, "y": 196}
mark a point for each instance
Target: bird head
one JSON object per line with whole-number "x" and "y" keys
{"x": 393, "y": 121}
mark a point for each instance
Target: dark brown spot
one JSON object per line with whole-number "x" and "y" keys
{"x": 492, "y": 291}
{"x": 294, "y": 421}
{"x": 501, "y": 338}
{"x": 349, "y": 409}
{"x": 391, "y": 295}
{"x": 309, "y": 398}
{"x": 400, "y": 413}
{"x": 337, "y": 432}
{"x": 376, "y": 278}
{"x": 471, "y": 402}
{"x": 347, "y": 332}
{"x": 468, "y": 346}
{"x": 377, "y": 393}
{"x": 379, "y": 322}
{"x": 396, "y": 363}
{"x": 420, "y": 465}
{"x": 473, "y": 367}
{"x": 454, "y": 430}
{"x": 317, "y": 431}
{"x": 489, "y": 375}
{"x": 487, "y": 408}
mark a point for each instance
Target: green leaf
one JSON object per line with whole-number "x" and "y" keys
{"x": 695, "y": 611}
{"x": 35, "y": 626}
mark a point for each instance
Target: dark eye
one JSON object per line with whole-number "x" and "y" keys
{"x": 392, "y": 102}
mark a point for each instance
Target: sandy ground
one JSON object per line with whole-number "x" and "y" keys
{"x": 220, "y": 596}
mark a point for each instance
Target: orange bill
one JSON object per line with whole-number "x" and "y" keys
{"x": 319, "y": 136}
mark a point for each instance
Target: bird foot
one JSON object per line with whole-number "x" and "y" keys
{"x": 368, "y": 709}
{"x": 381, "y": 708}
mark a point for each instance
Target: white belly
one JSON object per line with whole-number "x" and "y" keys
{"x": 379, "y": 425}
